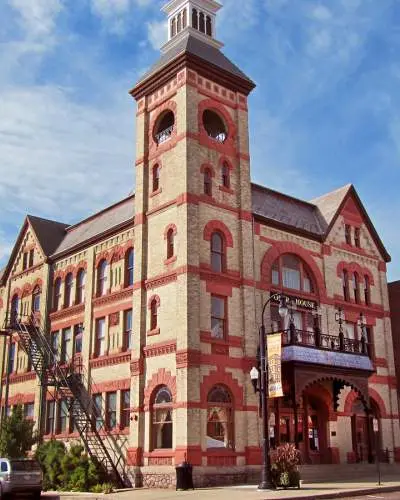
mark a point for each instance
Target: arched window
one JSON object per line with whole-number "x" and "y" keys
{"x": 208, "y": 26}
{"x": 170, "y": 243}
{"x": 156, "y": 178}
{"x": 217, "y": 252}
{"x": 173, "y": 27}
{"x": 102, "y": 278}
{"x": 36, "y": 299}
{"x": 207, "y": 182}
{"x": 184, "y": 18}
{"x": 202, "y": 22}
{"x": 345, "y": 285}
{"x": 14, "y": 309}
{"x": 214, "y": 126}
{"x": 153, "y": 315}
{"x": 179, "y": 24}
{"x": 57, "y": 294}
{"x": 367, "y": 290}
{"x": 80, "y": 286}
{"x": 195, "y": 19}
{"x": 357, "y": 237}
{"x": 356, "y": 289}
{"x": 68, "y": 290}
{"x": 220, "y": 428}
{"x": 225, "y": 175}
{"x": 291, "y": 272}
{"x": 129, "y": 266}
{"x": 164, "y": 127}
{"x": 162, "y": 426}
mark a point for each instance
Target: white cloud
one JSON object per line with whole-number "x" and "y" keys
{"x": 157, "y": 33}
{"x": 321, "y": 13}
{"x": 37, "y": 17}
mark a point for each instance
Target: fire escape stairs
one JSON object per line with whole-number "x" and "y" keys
{"x": 71, "y": 383}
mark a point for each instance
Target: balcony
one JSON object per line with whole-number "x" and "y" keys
{"x": 322, "y": 349}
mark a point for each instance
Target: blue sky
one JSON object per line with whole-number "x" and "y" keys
{"x": 325, "y": 111}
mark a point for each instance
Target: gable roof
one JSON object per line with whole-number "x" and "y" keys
{"x": 97, "y": 225}
{"x": 330, "y": 203}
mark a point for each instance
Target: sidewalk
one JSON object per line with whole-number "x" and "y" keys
{"x": 246, "y": 492}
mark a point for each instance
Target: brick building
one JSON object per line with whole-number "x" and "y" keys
{"x": 159, "y": 297}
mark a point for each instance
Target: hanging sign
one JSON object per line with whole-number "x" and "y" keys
{"x": 274, "y": 349}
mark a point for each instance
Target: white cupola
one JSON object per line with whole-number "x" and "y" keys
{"x": 195, "y": 17}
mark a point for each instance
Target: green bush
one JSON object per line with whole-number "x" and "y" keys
{"x": 50, "y": 456}
{"x": 103, "y": 488}
{"x": 16, "y": 435}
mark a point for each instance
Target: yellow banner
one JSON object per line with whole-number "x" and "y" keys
{"x": 274, "y": 349}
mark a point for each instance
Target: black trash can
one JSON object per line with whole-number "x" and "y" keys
{"x": 184, "y": 476}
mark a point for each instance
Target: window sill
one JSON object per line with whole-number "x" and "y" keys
{"x": 226, "y": 189}
{"x": 152, "y": 333}
{"x": 171, "y": 260}
{"x": 155, "y": 193}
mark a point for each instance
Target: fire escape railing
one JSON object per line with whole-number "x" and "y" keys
{"x": 72, "y": 384}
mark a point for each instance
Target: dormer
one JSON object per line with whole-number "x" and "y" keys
{"x": 197, "y": 17}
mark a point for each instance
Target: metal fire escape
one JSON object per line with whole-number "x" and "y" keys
{"x": 71, "y": 383}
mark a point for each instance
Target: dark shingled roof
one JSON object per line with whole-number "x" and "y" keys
{"x": 192, "y": 45}
{"x": 98, "y": 224}
{"x": 289, "y": 211}
{"x": 48, "y": 232}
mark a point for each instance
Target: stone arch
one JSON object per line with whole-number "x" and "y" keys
{"x": 152, "y": 299}
{"x": 285, "y": 247}
{"x": 207, "y": 166}
{"x": 216, "y": 225}
{"x": 168, "y": 228}
{"x": 162, "y": 377}
{"x": 220, "y": 109}
{"x": 353, "y": 267}
{"x": 377, "y": 399}
{"x": 220, "y": 377}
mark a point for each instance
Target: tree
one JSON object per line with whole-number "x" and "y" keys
{"x": 16, "y": 435}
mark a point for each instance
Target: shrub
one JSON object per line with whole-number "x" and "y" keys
{"x": 103, "y": 488}
{"x": 285, "y": 466}
{"x": 50, "y": 456}
{"x": 16, "y": 435}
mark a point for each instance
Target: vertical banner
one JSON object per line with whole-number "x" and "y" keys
{"x": 274, "y": 350}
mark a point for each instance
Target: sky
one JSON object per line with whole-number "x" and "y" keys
{"x": 325, "y": 111}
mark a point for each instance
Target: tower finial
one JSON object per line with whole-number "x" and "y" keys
{"x": 196, "y": 17}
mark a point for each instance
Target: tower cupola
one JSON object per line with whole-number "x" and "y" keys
{"x": 195, "y": 17}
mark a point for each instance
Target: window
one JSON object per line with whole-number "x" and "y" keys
{"x": 218, "y": 317}
{"x": 100, "y": 337}
{"x": 367, "y": 291}
{"x": 345, "y": 285}
{"x": 130, "y": 266}
{"x": 170, "y": 243}
{"x": 195, "y": 19}
{"x": 173, "y": 27}
{"x": 4, "y": 467}
{"x": 127, "y": 336}
{"x": 65, "y": 345}
{"x": 125, "y": 409}
{"x": 111, "y": 410}
{"x": 220, "y": 429}
{"x": 350, "y": 330}
{"x": 14, "y": 309}
{"x": 356, "y": 289}
{"x": 63, "y": 417}
{"x": 78, "y": 336}
{"x": 357, "y": 237}
{"x": 164, "y": 127}
{"x": 217, "y": 253}
{"x": 25, "y": 261}
{"x": 291, "y": 272}
{"x": 214, "y": 126}
{"x": 29, "y": 410}
{"x": 162, "y": 419}
{"x": 347, "y": 233}
{"x": 307, "y": 284}
{"x": 57, "y": 294}
{"x": 50, "y": 410}
{"x": 31, "y": 257}
{"x": 291, "y": 275}
{"x": 179, "y": 24}
{"x": 102, "y": 278}
{"x": 11, "y": 357}
{"x": 202, "y": 23}
{"x": 156, "y": 178}
{"x": 55, "y": 343}
{"x": 97, "y": 411}
{"x": 208, "y": 26}
{"x": 68, "y": 290}
{"x": 153, "y": 314}
{"x": 184, "y": 18}
{"x": 36, "y": 299}
{"x": 80, "y": 286}
{"x": 207, "y": 182}
{"x": 225, "y": 175}
{"x": 275, "y": 273}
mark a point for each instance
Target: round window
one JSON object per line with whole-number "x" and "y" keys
{"x": 214, "y": 126}
{"x": 164, "y": 127}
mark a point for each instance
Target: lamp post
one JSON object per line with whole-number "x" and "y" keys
{"x": 259, "y": 380}
{"x": 340, "y": 318}
{"x": 362, "y": 323}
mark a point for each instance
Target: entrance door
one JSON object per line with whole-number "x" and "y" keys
{"x": 359, "y": 429}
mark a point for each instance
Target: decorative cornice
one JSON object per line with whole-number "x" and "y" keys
{"x": 114, "y": 359}
{"x": 113, "y": 297}
{"x": 137, "y": 367}
{"x": 67, "y": 312}
{"x": 159, "y": 349}
{"x": 163, "y": 280}
{"x": 17, "y": 378}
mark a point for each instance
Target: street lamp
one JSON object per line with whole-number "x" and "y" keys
{"x": 340, "y": 318}
{"x": 362, "y": 323}
{"x": 260, "y": 383}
